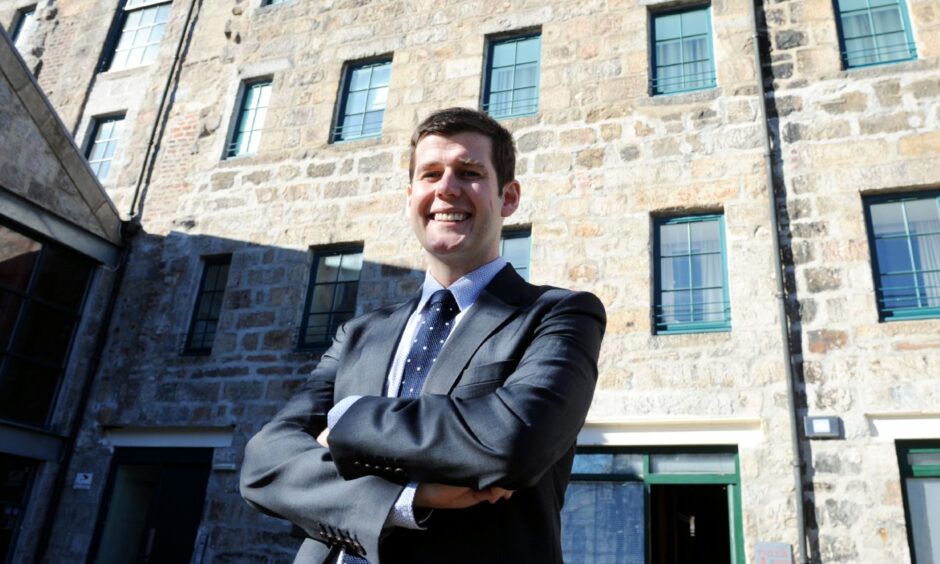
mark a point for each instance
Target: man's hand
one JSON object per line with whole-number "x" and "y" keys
{"x": 323, "y": 436}
{"x": 442, "y": 496}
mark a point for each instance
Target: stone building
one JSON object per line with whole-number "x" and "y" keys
{"x": 751, "y": 187}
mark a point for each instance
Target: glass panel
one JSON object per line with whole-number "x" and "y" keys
{"x": 527, "y": 50}
{"x": 381, "y": 75}
{"x": 356, "y": 102}
{"x": 345, "y": 296}
{"x": 317, "y": 327}
{"x": 525, "y": 100}
{"x": 9, "y": 311}
{"x": 899, "y": 291}
{"x": 886, "y": 20}
{"x": 604, "y": 523}
{"x": 923, "y": 497}
{"x": 705, "y": 463}
{"x": 377, "y": 99}
{"x": 328, "y": 268}
{"x": 695, "y": 49}
{"x": 856, "y": 25}
{"x": 608, "y": 463}
{"x": 15, "y": 477}
{"x": 372, "y": 122}
{"x": 18, "y": 255}
{"x": 923, "y": 458}
{"x": 351, "y": 267}
{"x": 62, "y": 277}
{"x": 893, "y": 255}
{"x": 668, "y": 53}
{"x": 849, "y": 5}
{"x": 516, "y": 251}
{"x": 922, "y": 216}
{"x": 705, "y": 236}
{"x": 503, "y": 79}
{"x": 527, "y": 75}
{"x": 44, "y": 333}
{"x": 667, "y": 26}
{"x": 676, "y": 307}
{"x": 709, "y": 305}
{"x": 352, "y": 126}
{"x": 707, "y": 271}
{"x": 674, "y": 273}
{"x": 27, "y": 391}
{"x": 134, "y": 487}
{"x": 504, "y": 54}
{"x": 359, "y": 79}
{"x": 695, "y": 22}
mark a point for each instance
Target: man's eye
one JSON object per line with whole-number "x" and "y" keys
{"x": 471, "y": 174}
{"x": 430, "y": 175}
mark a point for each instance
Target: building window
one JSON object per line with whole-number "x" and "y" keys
{"x": 16, "y": 476}
{"x": 653, "y": 505}
{"x": 362, "y": 103}
{"x": 515, "y": 246}
{"x": 331, "y": 296}
{"x": 205, "y": 320}
{"x": 920, "y": 479}
{"x": 512, "y": 76}
{"x": 905, "y": 237}
{"x": 246, "y": 136}
{"x": 682, "y": 51}
{"x": 273, "y": 2}
{"x": 104, "y": 139}
{"x": 23, "y": 26}
{"x": 42, "y": 289}
{"x": 874, "y": 32}
{"x": 691, "y": 279}
{"x": 142, "y": 25}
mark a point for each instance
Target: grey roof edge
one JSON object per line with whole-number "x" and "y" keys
{"x": 59, "y": 140}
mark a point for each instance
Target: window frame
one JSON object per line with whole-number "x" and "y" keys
{"x": 201, "y": 292}
{"x": 234, "y": 138}
{"x": 317, "y": 253}
{"x": 648, "y": 479}
{"x": 908, "y": 471}
{"x": 117, "y": 31}
{"x": 655, "y": 89}
{"x": 492, "y": 42}
{"x": 517, "y": 232}
{"x": 19, "y": 21}
{"x": 908, "y": 32}
{"x": 337, "y": 135}
{"x": 94, "y": 128}
{"x": 662, "y": 328}
{"x": 886, "y": 314}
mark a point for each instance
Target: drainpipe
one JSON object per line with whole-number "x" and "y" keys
{"x": 801, "y": 554}
{"x": 128, "y": 230}
{"x": 160, "y": 119}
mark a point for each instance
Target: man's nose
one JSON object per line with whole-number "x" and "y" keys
{"x": 449, "y": 184}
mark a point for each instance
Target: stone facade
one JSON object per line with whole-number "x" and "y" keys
{"x": 600, "y": 160}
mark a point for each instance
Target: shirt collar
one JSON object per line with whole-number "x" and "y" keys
{"x": 467, "y": 288}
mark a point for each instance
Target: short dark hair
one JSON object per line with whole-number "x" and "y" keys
{"x": 452, "y": 121}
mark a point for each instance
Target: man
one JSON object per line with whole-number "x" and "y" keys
{"x": 442, "y": 429}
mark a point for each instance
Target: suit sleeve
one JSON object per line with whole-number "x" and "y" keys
{"x": 509, "y": 437}
{"x": 287, "y": 474}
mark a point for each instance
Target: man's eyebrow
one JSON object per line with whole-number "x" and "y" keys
{"x": 469, "y": 161}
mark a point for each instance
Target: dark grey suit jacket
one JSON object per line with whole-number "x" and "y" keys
{"x": 502, "y": 407}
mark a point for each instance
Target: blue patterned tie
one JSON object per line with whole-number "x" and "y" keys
{"x": 436, "y": 322}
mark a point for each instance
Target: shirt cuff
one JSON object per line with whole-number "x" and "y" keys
{"x": 402, "y": 513}
{"x": 338, "y": 410}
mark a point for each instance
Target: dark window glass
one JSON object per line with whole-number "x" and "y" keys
{"x": 23, "y": 26}
{"x": 208, "y": 306}
{"x": 16, "y": 475}
{"x": 515, "y": 246}
{"x": 362, "y": 105}
{"x": 42, "y": 287}
{"x": 331, "y": 298}
{"x": 512, "y": 76}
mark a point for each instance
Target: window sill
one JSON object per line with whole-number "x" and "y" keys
{"x": 118, "y": 74}
{"x": 685, "y": 97}
{"x": 680, "y": 330}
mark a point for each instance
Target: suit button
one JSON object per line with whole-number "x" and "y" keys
{"x": 356, "y": 463}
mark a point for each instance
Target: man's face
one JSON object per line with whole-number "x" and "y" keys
{"x": 454, "y": 203}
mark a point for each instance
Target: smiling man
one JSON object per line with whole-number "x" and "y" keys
{"x": 441, "y": 429}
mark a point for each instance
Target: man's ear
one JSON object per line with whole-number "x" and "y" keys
{"x": 408, "y": 192}
{"x": 512, "y": 191}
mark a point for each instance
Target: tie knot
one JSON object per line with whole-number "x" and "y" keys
{"x": 444, "y": 300}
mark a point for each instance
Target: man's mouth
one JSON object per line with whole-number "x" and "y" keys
{"x": 456, "y": 217}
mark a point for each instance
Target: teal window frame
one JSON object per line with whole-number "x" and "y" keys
{"x": 136, "y": 40}
{"x": 103, "y": 143}
{"x": 685, "y": 81}
{"x": 208, "y": 307}
{"x": 249, "y": 123}
{"x": 919, "y": 470}
{"x": 921, "y": 291}
{"x": 362, "y": 120}
{"x": 274, "y": 2}
{"x": 523, "y": 259}
{"x": 661, "y": 323}
{"x": 732, "y": 480}
{"x": 521, "y": 102}
{"x": 877, "y": 54}
{"x": 23, "y": 24}
{"x": 333, "y": 290}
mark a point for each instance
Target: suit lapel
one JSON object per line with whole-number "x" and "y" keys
{"x": 380, "y": 346}
{"x": 498, "y": 301}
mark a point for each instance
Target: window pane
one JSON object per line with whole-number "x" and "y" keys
{"x": 923, "y": 458}
{"x": 668, "y": 53}
{"x": 923, "y": 496}
{"x": 351, "y": 267}
{"x": 359, "y": 79}
{"x": 44, "y": 334}
{"x": 705, "y": 463}
{"x": 695, "y": 22}
{"x": 356, "y": 102}
{"x": 10, "y": 305}
{"x": 705, "y": 236}
{"x": 604, "y": 523}
{"x": 62, "y": 277}
{"x": 18, "y": 254}
{"x": 675, "y": 273}
{"x": 322, "y": 299}
{"x": 886, "y": 20}
{"x": 27, "y": 391}
{"x": 608, "y": 463}
{"x": 887, "y": 219}
{"x": 667, "y": 27}
{"x": 527, "y": 50}
{"x": 504, "y": 54}
{"x": 381, "y": 75}
{"x": 923, "y": 216}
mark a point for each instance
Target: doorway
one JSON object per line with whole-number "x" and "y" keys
{"x": 690, "y": 524}
{"x": 153, "y": 506}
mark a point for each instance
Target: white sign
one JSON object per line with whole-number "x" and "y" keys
{"x": 83, "y": 481}
{"x": 773, "y": 553}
